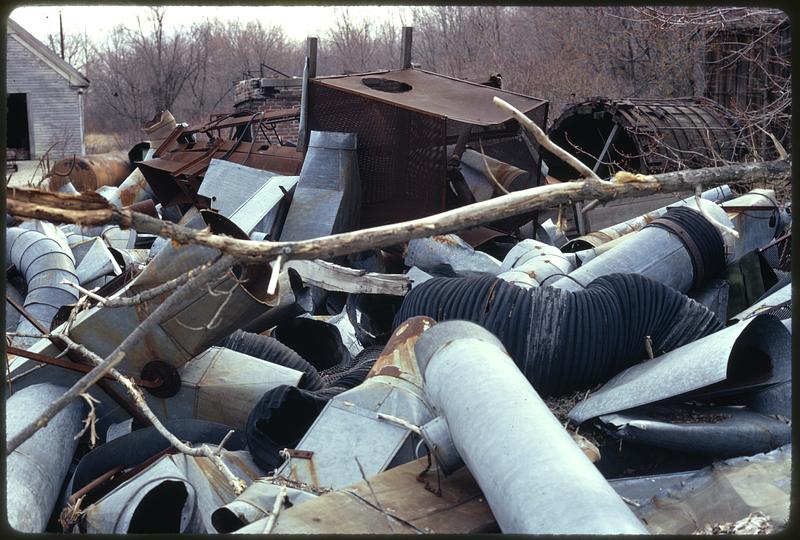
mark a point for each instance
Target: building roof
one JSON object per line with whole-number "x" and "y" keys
{"x": 433, "y": 94}
{"x": 75, "y": 77}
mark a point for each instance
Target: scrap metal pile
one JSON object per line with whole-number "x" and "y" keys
{"x": 503, "y": 378}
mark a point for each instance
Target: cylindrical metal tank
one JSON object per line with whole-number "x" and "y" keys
{"x": 87, "y": 173}
{"x": 642, "y": 135}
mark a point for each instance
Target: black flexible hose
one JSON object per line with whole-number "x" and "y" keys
{"x": 564, "y": 341}
{"x": 272, "y": 350}
{"x": 709, "y": 257}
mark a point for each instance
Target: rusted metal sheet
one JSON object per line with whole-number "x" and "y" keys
{"x": 176, "y": 174}
{"x": 413, "y": 499}
{"x": 657, "y": 135}
{"x": 403, "y": 137}
{"x": 433, "y": 94}
{"x": 87, "y": 173}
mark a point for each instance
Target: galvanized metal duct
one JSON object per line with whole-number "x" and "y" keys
{"x": 254, "y": 503}
{"x": 36, "y": 469}
{"x": 598, "y": 238}
{"x": 680, "y": 249}
{"x": 350, "y": 426}
{"x": 203, "y": 388}
{"x": 113, "y": 235}
{"x": 751, "y": 355}
{"x": 177, "y": 494}
{"x": 272, "y": 350}
{"x": 526, "y": 464}
{"x": 326, "y": 199}
{"x": 430, "y": 253}
{"x": 44, "y": 263}
{"x": 564, "y": 340}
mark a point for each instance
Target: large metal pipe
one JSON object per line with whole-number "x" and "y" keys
{"x": 680, "y": 249}
{"x": 37, "y": 468}
{"x": 598, "y": 238}
{"x": 87, "y": 173}
{"x": 44, "y": 263}
{"x": 535, "y": 478}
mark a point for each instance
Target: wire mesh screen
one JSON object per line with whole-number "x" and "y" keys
{"x": 401, "y": 154}
{"x": 779, "y": 254}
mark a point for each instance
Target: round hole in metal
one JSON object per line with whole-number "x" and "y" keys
{"x": 386, "y": 85}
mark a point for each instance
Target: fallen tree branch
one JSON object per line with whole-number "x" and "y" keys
{"x": 185, "y": 293}
{"x": 545, "y": 141}
{"x": 43, "y": 205}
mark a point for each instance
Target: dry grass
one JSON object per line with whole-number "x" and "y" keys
{"x": 100, "y": 143}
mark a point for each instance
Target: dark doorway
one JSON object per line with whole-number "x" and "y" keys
{"x": 17, "y": 125}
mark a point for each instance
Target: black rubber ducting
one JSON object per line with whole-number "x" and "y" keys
{"x": 272, "y": 350}
{"x": 318, "y": 342}
{"x": 710, "y": 246}
{"x": 564, "y": 341}
{"x": 279, "y": 420}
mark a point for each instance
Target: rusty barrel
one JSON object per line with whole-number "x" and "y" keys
{"x": 87, "y": 173}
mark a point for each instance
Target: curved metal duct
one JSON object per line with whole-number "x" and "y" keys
{"x": 12, "y": 315}
{"x": 535, "y": 478}
{"x": 272, "y": 350}
{"x": 132, "y": 190}
{"x": 643, "y": 135}
{"x": 44, "y": 263}
{"x": 568, "y": 340}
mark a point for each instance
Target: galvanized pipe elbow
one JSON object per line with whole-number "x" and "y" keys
{"x": 44, "y": 263}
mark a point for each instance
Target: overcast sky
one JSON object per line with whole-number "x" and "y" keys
{"x": 298, "y": 21}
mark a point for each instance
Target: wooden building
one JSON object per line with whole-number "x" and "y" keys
{"x": 44, "y": 107}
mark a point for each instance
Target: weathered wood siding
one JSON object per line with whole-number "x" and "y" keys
{"x": 54, "y": 109}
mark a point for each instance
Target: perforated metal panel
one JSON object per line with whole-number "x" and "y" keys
{"x": 401, "y": 153}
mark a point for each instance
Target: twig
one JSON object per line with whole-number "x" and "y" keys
{"x": 545, "y": 141}
{"x": 276, "y": 508}
{"x": 201, "y": 451}
{"x": 723, "y": 229}
{"x": 184, "y": 294}
{"x": 273, "y": 278}
{"x": 399, "y": 421}
{"x": 374, "y": 496}
{"x": 224, "y": 440}
{"x": 90, "y": 421}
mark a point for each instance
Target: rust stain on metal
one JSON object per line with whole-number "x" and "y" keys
{"x": 446, "y": 240}
{"x": 397, "y": 358}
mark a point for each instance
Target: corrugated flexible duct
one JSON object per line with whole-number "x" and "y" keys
{"x": 568, "y": 340}
{"x": 44, "y": 263}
